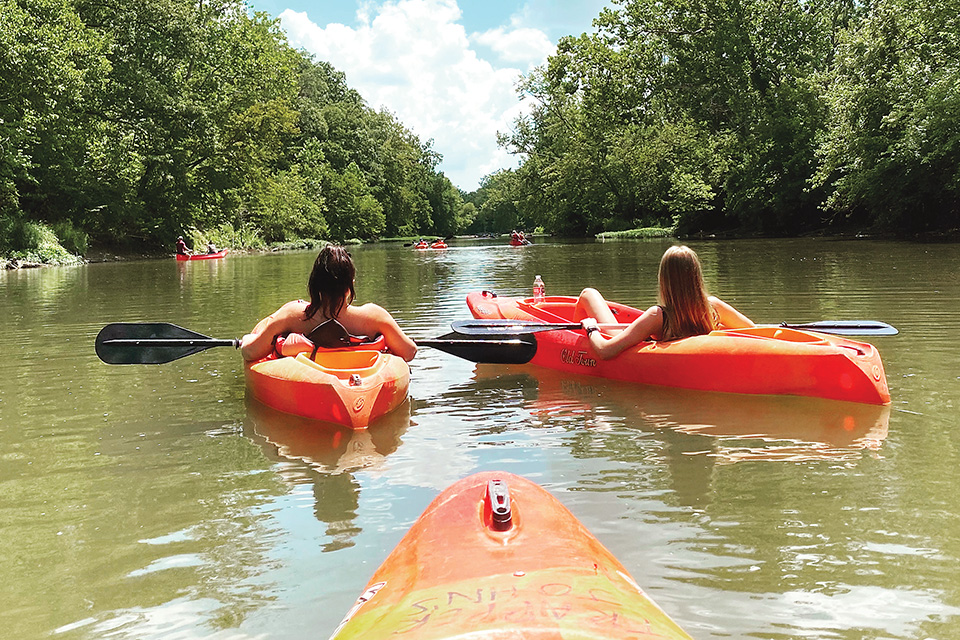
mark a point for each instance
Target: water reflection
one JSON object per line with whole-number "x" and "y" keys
{"x": 728, "y": 428}
{"x": 324, "y": 455}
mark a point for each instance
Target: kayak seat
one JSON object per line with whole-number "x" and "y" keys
{"x": 344, "y": 364}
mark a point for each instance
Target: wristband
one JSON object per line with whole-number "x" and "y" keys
{"x": 591, "y": 329}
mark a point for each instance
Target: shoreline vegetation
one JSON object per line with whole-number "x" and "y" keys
{"x": 51, "y": 253}
{"x": 117, "y": 138}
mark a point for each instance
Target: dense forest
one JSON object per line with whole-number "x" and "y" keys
{"x": 129, "y": 122}
{"x": 758, "y": 116}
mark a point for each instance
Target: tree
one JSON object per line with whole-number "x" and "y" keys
{"x": 892, "y": 152}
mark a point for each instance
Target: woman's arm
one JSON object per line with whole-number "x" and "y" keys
{"x": 649, "y": 324}
{"x": 371, "y": 319}
{"x": 259, "y": 342}
{"x": 729, "y": 317}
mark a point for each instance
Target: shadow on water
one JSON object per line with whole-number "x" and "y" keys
{"x": 325, "y": 455}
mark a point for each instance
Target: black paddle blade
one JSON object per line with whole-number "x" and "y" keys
{"x": 505, "y": 349}
{"x": 151, "y": 343}
{"x": 494, "y": 328}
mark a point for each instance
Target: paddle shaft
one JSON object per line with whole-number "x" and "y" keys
{"x": 162, "y": 342}
{"x": 166, "y": 342}
{"x": 513, "y": 327}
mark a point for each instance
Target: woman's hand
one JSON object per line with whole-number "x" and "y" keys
{"x": 589, "y": 325}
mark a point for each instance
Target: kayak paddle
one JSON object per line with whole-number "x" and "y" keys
{"x": 152, "y": 343}
{"x": 161, "y": 342}
{"x": 510, "y": 349}
{"x": 494, "y": 328}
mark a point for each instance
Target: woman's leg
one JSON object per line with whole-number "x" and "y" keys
{"x": 591, "y": 304}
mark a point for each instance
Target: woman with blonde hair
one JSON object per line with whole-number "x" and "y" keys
{"x": 684, "y": 308}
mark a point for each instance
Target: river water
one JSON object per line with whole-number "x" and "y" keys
{"x": 160, "y": 502}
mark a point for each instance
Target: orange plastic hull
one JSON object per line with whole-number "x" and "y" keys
{"x": 761, "y": 360}
{"x": 351, "y": 387}
{"x": 455, "y": 576}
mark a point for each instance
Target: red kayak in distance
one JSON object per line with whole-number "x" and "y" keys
{"x": 496, "y": 556}
{"x": 202, "y": 256}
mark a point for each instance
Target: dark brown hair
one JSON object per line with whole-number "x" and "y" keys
{"x": 683, "y": 295}
{"x": 331, "y": 282}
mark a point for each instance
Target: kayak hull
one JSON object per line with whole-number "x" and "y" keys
{"x": 202, "y": 256}
{"x": 349, "y": 387}
{"x": 760, "y": 360}
{"x": 455, "y": 576}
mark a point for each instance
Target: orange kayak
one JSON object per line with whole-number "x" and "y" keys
{"x": 496, "y": 556}
{"x": 202, "y": 256}
{"x": 351, "y": 387}
{"x": 758, "y": 360}
{"x": 439, "y": 244}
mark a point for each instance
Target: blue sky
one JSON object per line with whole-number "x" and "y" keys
{"x": 446, "y": 68}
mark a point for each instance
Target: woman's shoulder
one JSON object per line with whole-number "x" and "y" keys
{"x": 369, "y": 310}
{"x": 294, "y": 306}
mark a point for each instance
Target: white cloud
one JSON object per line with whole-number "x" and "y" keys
{"x": 526, "y": 46}
{"x": 414, "y": 58}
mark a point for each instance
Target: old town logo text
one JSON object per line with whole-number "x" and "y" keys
{"x": 569, "y": 356}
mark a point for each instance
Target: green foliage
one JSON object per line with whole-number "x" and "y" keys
{"x": 134, "y": 121}
{"x": 893, "y": 149}
{"x": 646, "y": 232}
{"x": 32, "y": 242}
{"x": 71, "y": 238}
{"x": 352, "y": 211}
{"x": 759, "y": 114}
{"x": 225, "y": 236}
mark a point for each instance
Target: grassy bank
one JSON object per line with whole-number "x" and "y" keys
{"x": 645, "y": 232}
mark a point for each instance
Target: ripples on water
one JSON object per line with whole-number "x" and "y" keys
{"x": 159, "y": 502}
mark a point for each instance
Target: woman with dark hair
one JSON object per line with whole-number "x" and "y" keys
{"x": 684, "y": 308}
{"x": 331, "y": 288}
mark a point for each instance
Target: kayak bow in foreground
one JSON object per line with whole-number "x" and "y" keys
{"x": 496, "y": 556}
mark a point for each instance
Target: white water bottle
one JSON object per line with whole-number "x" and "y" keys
{"x": 538, "y": 290}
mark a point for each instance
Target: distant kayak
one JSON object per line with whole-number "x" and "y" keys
{"x": 765, "y": 360}
{"x": 202, "y": 256}
{"x": 437, "y": 244}
{"x": 519, "y": 243}
{"x": 496, "y": 556}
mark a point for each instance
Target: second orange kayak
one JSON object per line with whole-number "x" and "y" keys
{"x": 764, "y": 360}
{"x": 496, "y": 556}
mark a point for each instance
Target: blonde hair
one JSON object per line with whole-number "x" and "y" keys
{"x": 682, "y": 295}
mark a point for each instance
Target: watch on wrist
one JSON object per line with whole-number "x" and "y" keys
{"x": 591, "y": 329}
